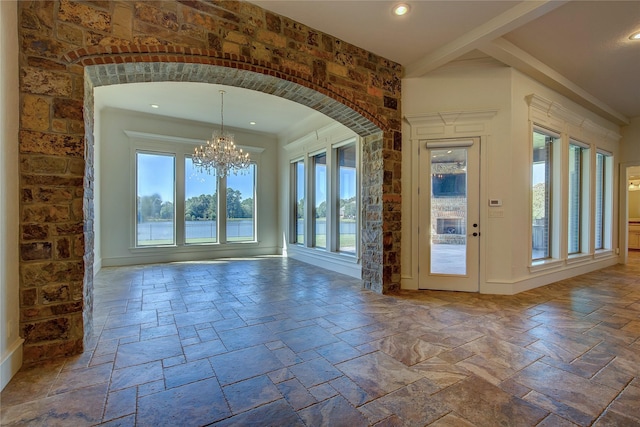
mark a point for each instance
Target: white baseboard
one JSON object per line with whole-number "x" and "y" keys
{"x": 11, "y": 362}
{"x": 97, "y": 265}
{"x": 329, "y": 261}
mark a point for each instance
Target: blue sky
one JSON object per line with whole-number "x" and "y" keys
{"x": 156, "y": 172}
{"x": 156, "y": 175}
{"x": 347, "y": 181}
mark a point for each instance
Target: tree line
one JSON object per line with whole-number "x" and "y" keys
{"x": 199, "y": 208}
{"x": 347, "y": 209}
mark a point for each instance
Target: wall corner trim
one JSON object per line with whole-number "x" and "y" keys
{"x": 11, "y": 362}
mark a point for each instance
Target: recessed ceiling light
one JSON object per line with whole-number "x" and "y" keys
{"x": 635, "y": 36}
{"x": 401, "y": 9}
{"x": 252, "y": 123}
{"x": 155, "y": 106}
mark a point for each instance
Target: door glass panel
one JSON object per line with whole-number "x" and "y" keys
{"x": 449, "y": 211}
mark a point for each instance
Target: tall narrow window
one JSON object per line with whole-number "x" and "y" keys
{"x": 298, "y": 201}
{"x": 155, "y": 192}
{"x": 348, "y": 207}
{"x": 200, "y": 205}
{"x": 576, "y": 209}
{"x": 542, "y": 184}
{"x": 599, "y": 230}
{"x": 320, "y": 201}
{"x": 603, "y": 200}
{"x": 241, "y": 195}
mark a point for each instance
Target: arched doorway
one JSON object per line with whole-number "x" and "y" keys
{"x": 68, "y": 48}
{"x": 108, "y": 74}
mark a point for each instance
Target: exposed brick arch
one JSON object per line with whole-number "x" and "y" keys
{"x": 105, "y": 55}
{"x": 67, "y": 48}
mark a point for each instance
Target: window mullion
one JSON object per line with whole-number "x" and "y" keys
{"x": 222, "y": 210}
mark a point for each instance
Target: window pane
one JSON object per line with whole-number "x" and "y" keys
{"x": 320, "y": 201}
{"x": 200, "y": 205}
{"x": 599, "y": 231}
{"x": 575, "y": 198}
{"x": 298, "y": 232}
{"x": 347, "y": 216}
{"x": 541, "y": 195}
{"x": 155, "y": 189}
{"x": 241, "y": 190}
{"x": 449, "y": 211}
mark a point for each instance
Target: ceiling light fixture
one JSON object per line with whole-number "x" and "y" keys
{"x": 154, "y": 106}
{"x": 401, "y": 9}
{"x": 220, "y": 155}
{"x": 635, "y": 36}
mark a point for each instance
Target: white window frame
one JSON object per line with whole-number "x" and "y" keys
{"x": 293, "y": 197}
{"x": 134, "y": 234}
{"x": 554, "y": 188}
{"x": 607, "y": 202}
{"x": 176, "y": 147}
{"x": 308, "y": 154}
{"x": 584, "y": 196}
{"x": 335, "y": 223}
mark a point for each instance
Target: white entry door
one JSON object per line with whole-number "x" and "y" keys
{"x": 449, "y": 232}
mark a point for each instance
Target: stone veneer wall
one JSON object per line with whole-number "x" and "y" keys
{"x": 69, "y": 47}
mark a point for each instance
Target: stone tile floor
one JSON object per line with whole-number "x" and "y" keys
{"x": 274, "y": 342}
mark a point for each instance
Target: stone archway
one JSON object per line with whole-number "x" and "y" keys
{"x": 67, "y": 48}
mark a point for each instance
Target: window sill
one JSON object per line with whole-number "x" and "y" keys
{"x": 578, "y": 258}
{"x": 189, "y": 246}
{"x": 546, "y": 264}
{"x": 603, "y": 253}
{"x": 334, "y": 261}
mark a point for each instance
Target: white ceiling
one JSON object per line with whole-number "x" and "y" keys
{"x": 579, "y": 48}
{"x": 201, "y": 102}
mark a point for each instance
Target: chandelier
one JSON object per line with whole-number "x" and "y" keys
{"x": 220, "y": 154}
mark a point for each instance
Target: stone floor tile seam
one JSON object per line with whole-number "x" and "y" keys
{"x": 612, "y": 401}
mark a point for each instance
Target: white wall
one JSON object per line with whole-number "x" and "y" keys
{"x": 505, "y": 265}
{"x": 630, "y": 146}
{"x": 452, "y": 89}
{"x": 97, "y": 184}
{"x": 10, "y": 341}
{"x": 630, "y": 159}
{"x": 634, "y": 204}
{"x": 117, "y": 190}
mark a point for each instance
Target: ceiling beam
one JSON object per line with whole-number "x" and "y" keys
{"x": 509, "y": 20}
{"x": 511, "y": 55}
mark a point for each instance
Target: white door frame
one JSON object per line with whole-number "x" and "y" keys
{"x": 439, "y": 125}
{"x": 469, "y": 280}
{"x": 623, "y": 237}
